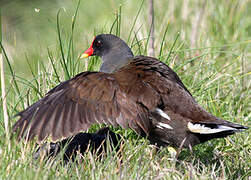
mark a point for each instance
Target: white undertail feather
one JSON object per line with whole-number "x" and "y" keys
{"x": 202, "y": 129}
{"x": 162, "y": 113}
{"x": 163, "y": 125}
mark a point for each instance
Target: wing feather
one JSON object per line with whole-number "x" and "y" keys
{"x": 74, "y": 105}
{"x": 124, "y": 98}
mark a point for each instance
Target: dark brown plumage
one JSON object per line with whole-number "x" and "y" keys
{"x": 138, "y": 92}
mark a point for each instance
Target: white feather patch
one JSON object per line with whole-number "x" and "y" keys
{"x": 163, "y": 125}
{"x": 162, "y": 113}
{"x": 202, "y": 129}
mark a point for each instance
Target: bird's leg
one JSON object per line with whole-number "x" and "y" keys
{"x": 190, "y": 148}
{"x": 180, "y": 148}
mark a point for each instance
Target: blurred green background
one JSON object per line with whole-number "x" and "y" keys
{"x": 29, "y": 27}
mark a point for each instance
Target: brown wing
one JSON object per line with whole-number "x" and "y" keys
{"x": 72, "y": 106}
{"x": 173, "y": 95}
{"x": 163, "y": 89}
{"x": 176, "y": 118}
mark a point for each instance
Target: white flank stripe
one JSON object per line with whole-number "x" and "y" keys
{"x": 162, "y": 113}
{"x": 226, "y": 127}
{"x": 163, "y": 125}
{"x": 202, "y": 129}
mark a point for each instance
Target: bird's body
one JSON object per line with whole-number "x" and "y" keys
{"x": 143, "y": 94}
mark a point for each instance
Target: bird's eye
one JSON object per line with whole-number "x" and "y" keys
{"x": 98, "y": 44}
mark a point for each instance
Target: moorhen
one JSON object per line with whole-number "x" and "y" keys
{"x": 137, "y": 92}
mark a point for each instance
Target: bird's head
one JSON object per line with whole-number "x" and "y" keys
{"x": 113, "y": 51}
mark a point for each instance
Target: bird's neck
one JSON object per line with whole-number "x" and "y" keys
{"x": 115, "y": 60}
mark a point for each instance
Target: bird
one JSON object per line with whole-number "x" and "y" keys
{"x": 82, "y": 142}
{"x": 137, "y": 92}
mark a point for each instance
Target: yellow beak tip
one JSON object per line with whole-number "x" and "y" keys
{"x": 84, "y": 56}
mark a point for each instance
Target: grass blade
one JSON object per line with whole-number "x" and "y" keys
{"x": 138, "y": 43}
{"x": 171, "y": 50}
{"x": 113, "y": 24}
{"x": 135, "y": 20}
{"x": 71, "y": 42}
{"x": 33, "y": 75}
{"x": 53, "y": 65}
{"x": 4, "y": 96}
{"x": 61, "y": 49}
{"x": 12, "y": 72}
{"x": 163, "y": 39}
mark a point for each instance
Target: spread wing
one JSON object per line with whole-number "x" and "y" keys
{"x": 74, "y": 105}
{"x": 145, "y": 95}
{"x": 129, "y": 98}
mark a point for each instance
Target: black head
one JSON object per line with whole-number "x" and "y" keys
{"x": 106, "y": 43}
{"x": 113, "y": 51}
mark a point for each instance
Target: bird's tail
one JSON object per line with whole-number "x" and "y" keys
{"x": 207, "y": 131}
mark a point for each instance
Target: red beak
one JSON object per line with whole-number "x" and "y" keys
{"x": 88, "y": 52}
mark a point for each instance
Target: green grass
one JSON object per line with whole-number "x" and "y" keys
{"x": 44, "y": 51}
